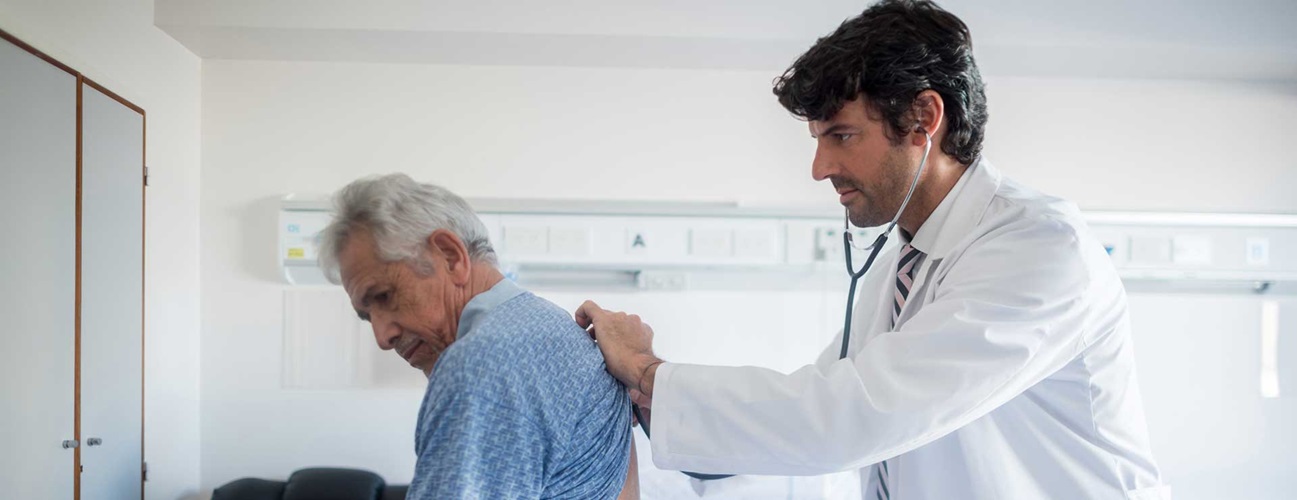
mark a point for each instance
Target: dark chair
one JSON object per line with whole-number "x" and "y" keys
{"x": 313, "y": 484}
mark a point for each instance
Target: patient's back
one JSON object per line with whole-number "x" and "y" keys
{"x": 521, "y": 406}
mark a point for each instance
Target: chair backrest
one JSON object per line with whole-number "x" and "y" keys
{"x": 250, "y": 489}
{"x": 395, "y": 492}
{"x": 314, "y": 484}
{"x": 334, "y": 484}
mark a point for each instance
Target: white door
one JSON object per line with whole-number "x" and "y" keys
{"x": 112, "y": 288}
{"x": 37, "y": 275}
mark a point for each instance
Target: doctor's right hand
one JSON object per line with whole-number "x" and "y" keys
{"x": 627, "y": 347}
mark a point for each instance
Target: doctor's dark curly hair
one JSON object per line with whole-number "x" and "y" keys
{"x": 889, "y": 53}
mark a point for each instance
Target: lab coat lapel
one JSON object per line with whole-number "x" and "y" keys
{"x": 966, "y": 211}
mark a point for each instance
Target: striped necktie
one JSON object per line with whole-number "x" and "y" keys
{"x": 904, "y": 279}
{"x": 904, "y": 282}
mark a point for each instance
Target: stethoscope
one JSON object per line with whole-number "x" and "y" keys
{"x": 847, "y": 245}
{"x": 876, "y": 247}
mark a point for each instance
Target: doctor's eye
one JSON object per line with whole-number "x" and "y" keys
{"x": 843, "y": 137}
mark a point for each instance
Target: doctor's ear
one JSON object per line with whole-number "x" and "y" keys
{"x": 928, "y": 111}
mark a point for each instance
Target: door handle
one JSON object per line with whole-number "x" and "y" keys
{"x": 94, "y": 442}
{"x": 70, "y": 443}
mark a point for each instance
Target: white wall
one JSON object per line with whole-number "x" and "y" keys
{"x": 1148, "y": 145}
{"x": 272, "y": 128}
{"x": 115, "y": 44}
{"x": 1199, "y": 362}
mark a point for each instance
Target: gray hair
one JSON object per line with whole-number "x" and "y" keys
{"x": 400, "y": 213}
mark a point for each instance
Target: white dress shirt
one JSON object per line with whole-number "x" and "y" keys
{"x": 1009, "y": 375}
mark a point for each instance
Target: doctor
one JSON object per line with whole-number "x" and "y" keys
{"x": 990, "y": 355}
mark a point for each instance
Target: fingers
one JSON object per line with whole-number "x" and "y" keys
{"x": 586, "y": 314}
{"x": 639, "y": 398}
{"x": 644, "y": 412}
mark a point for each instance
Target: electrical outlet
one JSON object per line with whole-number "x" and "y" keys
{"x": 828, "y": 244}
{"x": 1258, "y": 251}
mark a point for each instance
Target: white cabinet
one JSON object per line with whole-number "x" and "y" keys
{"x": 38, "y": 242}
{"x": 71, "y": 283}
{"x": 112, "y": 268}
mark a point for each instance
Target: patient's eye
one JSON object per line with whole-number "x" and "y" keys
{"x": 383, "y": 297}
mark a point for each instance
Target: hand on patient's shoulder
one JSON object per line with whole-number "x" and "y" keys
{"x": 626, "y": 343}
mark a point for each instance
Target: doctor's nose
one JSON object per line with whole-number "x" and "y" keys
{"x": 821, "y": 167}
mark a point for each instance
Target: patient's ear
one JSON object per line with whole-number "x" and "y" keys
{"x": 451, "y": 249}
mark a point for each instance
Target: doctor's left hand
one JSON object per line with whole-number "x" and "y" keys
{"x": 627, "y": 347}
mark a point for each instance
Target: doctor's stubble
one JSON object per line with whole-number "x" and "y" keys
{"x": 879, "y": 201}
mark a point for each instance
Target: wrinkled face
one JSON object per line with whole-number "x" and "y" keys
{"x": 869, "y": 173}
{"x": 411, "y": 310}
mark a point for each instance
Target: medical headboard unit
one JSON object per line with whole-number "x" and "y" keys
{"x": 559, "y": 236}
{"x": 1194, "y": 250}
{"x": 664, "y": 242}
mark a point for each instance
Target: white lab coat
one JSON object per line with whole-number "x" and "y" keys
{"x": 1010, "y": 374}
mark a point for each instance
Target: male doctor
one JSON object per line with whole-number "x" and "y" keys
{"x": 990, "y": 355}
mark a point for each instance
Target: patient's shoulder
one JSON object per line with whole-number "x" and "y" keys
{"x": 534, "y": 332}
{"x": 525, "y": 343}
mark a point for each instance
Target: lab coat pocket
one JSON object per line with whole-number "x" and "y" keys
{"x": 1154, "y": 493}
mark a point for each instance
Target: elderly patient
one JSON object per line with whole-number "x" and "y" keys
{"x": 518, "y": 403}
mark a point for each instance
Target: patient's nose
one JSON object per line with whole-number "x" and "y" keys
{"x": 385, "y": 331}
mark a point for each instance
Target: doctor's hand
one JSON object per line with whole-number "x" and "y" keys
{"x": 645, "y": 411}
{"x": 627, "y": 347}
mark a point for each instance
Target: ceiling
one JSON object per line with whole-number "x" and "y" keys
{"x": 1239, "y": 40}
